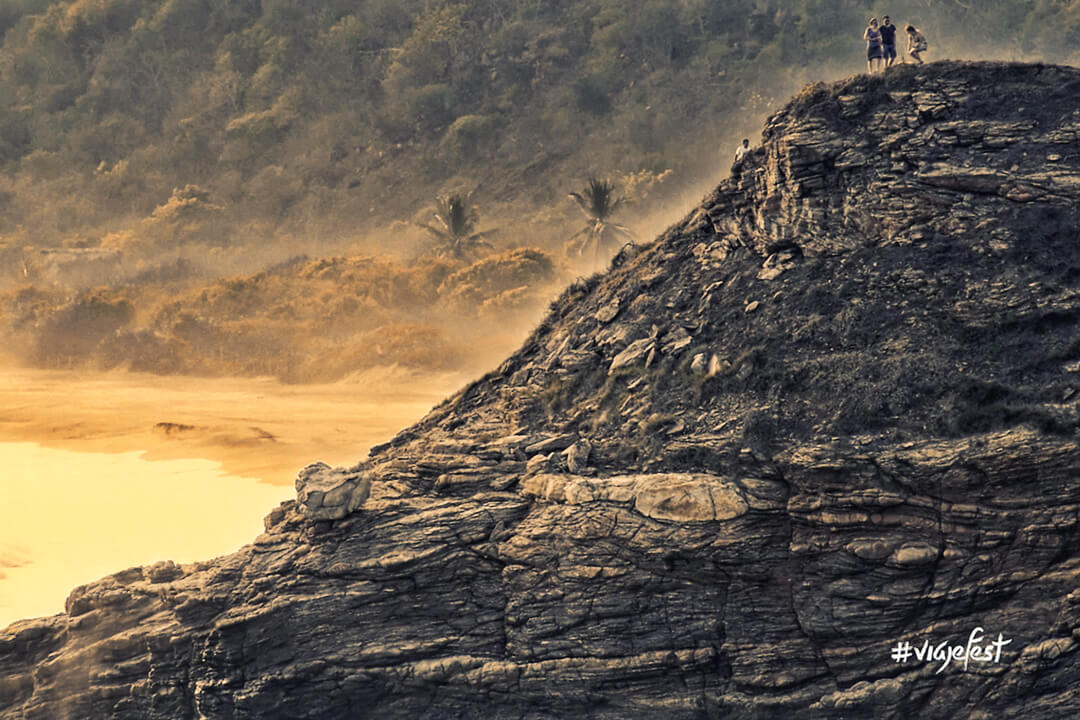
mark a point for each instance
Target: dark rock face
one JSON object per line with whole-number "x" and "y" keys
{"x": 833, "y": 409}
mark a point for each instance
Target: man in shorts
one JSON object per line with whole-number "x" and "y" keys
{"x": 888, "y": 41}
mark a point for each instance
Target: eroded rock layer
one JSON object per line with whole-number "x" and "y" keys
{"x": 834, "y": 409}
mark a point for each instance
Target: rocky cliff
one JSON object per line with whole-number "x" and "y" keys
{"x": 833, "y": 410}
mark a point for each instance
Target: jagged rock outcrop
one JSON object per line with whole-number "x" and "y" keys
{"x": 833, "y": 409}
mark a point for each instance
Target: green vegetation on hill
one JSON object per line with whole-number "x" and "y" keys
{"x": 145, "y": 143}
{"x": 299, "y": 113}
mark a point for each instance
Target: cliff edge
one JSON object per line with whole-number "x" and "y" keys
{"x": 833, "y": 410}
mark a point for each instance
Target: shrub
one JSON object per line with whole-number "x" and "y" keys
{"x": 72, "y": 333}
{"x": 466, "y": 134}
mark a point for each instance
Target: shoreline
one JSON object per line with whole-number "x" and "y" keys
{"x": 71, "y": 518}
{"x": 254, "y": 427}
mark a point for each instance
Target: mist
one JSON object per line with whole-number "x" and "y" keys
{"x": 245, "y": 229}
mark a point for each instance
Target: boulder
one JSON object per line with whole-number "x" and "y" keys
{"x": 325, "y": 493}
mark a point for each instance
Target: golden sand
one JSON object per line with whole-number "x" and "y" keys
{"x": 102, "y": 472}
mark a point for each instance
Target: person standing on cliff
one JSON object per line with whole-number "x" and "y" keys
{"x": 740, "y": 155}
{"x": 741, "y": 151}
{"x": 916, "y": 42}
{"x": 872, "y": 36}
{"x": 888, "y": 41}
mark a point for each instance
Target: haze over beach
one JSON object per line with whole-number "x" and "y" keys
{"x": 108, "y": 470}
{"x": 633, "y": 453}
{"x": 115, "y": 511}
{"x": 258, "y": 189}
{"x": 254, "y": 427}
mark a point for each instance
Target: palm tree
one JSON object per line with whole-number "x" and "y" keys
{"x": 599, "y": 203}
{"x": 457, "y": 220}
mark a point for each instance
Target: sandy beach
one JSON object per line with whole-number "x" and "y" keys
{"x": 100, "y": 472}
{"x": 255, "y": 427}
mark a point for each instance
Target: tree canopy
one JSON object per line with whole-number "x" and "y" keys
{"x": 300, "y": 111}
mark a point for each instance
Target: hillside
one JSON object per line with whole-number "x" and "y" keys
{"x": 312, "y": 122}
{"x": 174, "y": 175}
{"x": 832, "y": 409}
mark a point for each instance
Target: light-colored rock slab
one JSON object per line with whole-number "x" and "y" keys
{"x": 326, "y": 493}
{"x": 673, "y": 497}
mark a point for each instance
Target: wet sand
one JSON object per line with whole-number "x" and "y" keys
{"x": 71, "y": 517}
{"x": 257, "y": 427}
{"x": 101, "y": 472}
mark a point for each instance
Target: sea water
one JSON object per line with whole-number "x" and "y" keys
{"x": 68, "y": 518}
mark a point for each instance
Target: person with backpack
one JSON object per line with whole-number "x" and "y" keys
{"x": 888, "y": 41}
{"x": 872, "y": 36}
{"x": 916, "y": 42}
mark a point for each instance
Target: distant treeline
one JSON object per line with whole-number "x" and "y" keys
{"x": 201, "y": 186}
{"x": 301, "y": 113}
{"x": 303, "y": 320}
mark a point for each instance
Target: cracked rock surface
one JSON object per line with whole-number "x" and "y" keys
{"x": 834, "y": 408}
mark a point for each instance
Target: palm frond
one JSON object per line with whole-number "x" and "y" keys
{"x": 456, "y": 215}
{"x": 483, "y": 234}
{"x": 440, "y": 234}
{"x": 598, "y": 199}
{"x": 585, "y": 231}
{"x": 582, "y": 203}
{"x": 457, "y": 237}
